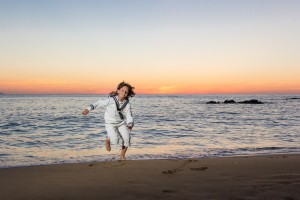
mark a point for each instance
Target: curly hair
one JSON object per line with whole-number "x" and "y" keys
{"x": 131, "y": 93}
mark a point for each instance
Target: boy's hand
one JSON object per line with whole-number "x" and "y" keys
{"x": 85, "y": 112}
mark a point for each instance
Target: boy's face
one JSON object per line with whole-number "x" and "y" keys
{"x": 122, "y": 92}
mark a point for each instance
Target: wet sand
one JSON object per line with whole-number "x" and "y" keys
{"x": 252, "y": 177}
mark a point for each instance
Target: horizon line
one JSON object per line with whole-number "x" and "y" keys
{"x": 254, "y": 93}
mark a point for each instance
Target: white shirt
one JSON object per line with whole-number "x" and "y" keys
{"x": 111, "y": 115}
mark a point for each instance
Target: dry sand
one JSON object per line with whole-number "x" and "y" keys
{"x": 258, "y": 177}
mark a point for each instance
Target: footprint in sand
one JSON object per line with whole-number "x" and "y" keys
{"x": 171, "y": 171}
{"x": 199, "y": 168}
{"x": 180, "y": 168}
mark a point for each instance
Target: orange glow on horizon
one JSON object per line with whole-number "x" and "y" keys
{"x": 59, "y": 87}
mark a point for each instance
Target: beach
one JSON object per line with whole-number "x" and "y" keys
{"x": 245, "y": 177}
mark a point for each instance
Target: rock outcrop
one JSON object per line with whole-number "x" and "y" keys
{"x": 252, "y": 101}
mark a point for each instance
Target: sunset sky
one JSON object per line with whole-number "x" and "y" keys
{"x": 159, "y": 46}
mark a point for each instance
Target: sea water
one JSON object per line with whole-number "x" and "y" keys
{"x": 50, "y": 129}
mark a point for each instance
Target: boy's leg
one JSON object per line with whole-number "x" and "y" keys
{"x": 112, "y": 136}
{"x": 123, "y": 152}
{"x": 107, "y": 144}
{"x": 125, "y": 136}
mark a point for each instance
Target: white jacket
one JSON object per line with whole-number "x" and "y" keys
{"x": 111, "y": 115}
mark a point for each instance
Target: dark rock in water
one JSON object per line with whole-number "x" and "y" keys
{"x": 293, "y": 98}
{"x": 252, "y": 101}
{"x": 229, "y": 101}
{"x": 212, "y": 102}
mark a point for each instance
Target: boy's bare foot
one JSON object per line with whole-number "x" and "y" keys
{"x": 107, "y": 144}
{"x": 122, "y": 158}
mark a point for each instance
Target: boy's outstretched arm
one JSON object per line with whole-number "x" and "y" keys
{"x": 85, "y": 112}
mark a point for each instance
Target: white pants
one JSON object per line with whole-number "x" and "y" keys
{"x": 116, "y": 132}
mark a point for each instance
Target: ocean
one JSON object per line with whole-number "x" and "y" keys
{"x": 50, "y": 129}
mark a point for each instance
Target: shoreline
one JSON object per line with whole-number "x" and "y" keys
{"x": 274, "y": 176}
{"x": 113, "y": 159}
{"x": 172, "y": 158}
